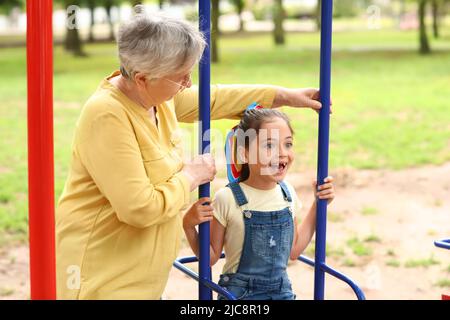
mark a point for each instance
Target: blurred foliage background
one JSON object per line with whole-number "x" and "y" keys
{"x": 390, "y": 78}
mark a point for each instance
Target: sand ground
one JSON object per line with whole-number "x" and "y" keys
{"x": 381, "y": 229}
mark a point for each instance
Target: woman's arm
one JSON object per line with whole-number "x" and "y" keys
{"x": 230, "y": 101}
{"x": 227, "y": 101}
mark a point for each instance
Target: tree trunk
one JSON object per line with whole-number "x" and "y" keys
{"x": 435, "y": 10}
{"x": 91, "y": 5}
{"x": 108, "y": 7}
{"x": 161, "y": 3}
{"x": 239, "y": 9}
{"x": 215, "y": 13}
{"x": 278, "y": 17}
{"x": 423, "y": 38}
{"x": 72, "y": 42}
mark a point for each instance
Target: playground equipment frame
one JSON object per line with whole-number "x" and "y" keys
{"x": 41, "y": 160}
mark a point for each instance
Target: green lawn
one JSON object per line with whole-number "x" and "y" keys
{"x": 391, "y": 107}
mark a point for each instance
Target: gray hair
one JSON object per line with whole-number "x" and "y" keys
{"x": 157, "y": 45}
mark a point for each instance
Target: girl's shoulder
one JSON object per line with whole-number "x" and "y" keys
{"x": 223, "y": 195}
{"x": 223, "y": 205}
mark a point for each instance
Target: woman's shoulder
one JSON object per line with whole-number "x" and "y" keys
{"x": 101, "y": 112}
{"x": 102, "y": 104}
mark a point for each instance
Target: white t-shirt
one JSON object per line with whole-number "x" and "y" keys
{"x": 229, "y": 214}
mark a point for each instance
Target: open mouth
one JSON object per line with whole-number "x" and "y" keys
{"x": 279, "y": 168}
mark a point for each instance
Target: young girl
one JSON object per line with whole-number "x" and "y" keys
{"x": 255, "y": 218}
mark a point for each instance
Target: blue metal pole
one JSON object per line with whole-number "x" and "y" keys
{"x": 324, "y": 128}
{"x": 204, "y": 293}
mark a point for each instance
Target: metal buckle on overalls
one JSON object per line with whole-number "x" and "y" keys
{"x": 247, "y": 214}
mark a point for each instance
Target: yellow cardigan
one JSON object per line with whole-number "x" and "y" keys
{"x": 118, "y": 221}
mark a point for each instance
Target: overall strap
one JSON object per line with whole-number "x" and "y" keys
{"x": 238, "y": 194}
{"x": 285, "y": 189}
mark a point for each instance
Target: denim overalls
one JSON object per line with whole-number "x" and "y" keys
{"x": 261, "y": 274}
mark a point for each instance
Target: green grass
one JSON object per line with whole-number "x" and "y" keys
{"x": 391, "y": 253}
{"x": 390, "y": 104}
{"x": 393, "y": 263}
{"x": 335, "y": 216}
{"x": 424, "y": 263}
{"x": 335, "y": 252}
{"x": 349, "y": 263}
{"x": 443, "y": 283}
{"x": 6, "y": 292}
{"x": 358, "y": 247}
{"x": 372, "y": 238}
{"x": 369, "y": 211}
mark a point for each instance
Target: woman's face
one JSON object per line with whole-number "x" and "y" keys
{"x": 274, "y": 151}
{"x": 158, "y": 90}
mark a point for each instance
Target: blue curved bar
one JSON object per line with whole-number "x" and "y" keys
{"x": 357, "y": 290}
{"x": 179, "y": 264}
{"x": 445, "y": 243}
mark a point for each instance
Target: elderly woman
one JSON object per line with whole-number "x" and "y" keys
{"x": 118, "y": 221}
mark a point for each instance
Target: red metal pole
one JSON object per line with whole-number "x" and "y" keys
{"x": 40, "y": 149}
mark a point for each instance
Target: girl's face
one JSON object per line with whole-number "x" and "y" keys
{"x": 271, "y": 154}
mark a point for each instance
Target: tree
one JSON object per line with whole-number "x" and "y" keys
{"x": 108, "y": 4}
{"x": 437, "y": 9}
{"x": 136, "y": 2}
{"x": 72, "y": 41}
{"x": 12, "y": 9}
{"x": 318, "y": 14}
{"x": 278, "y": 17}
{"x": 7, "y": 5}
{"x": 239, "y": 4}
{"x": 91, "y": 6}
{"x": 424, "y": 46}
{"x": 435, "y": 13}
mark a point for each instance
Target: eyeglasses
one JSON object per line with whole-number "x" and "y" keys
{"x": 183, "y": 85}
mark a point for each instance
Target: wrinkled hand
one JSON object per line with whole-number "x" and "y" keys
{"x": 200, "y": 170}
{"x": 325, "y": 191}
{"x": 299, "y": 98}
